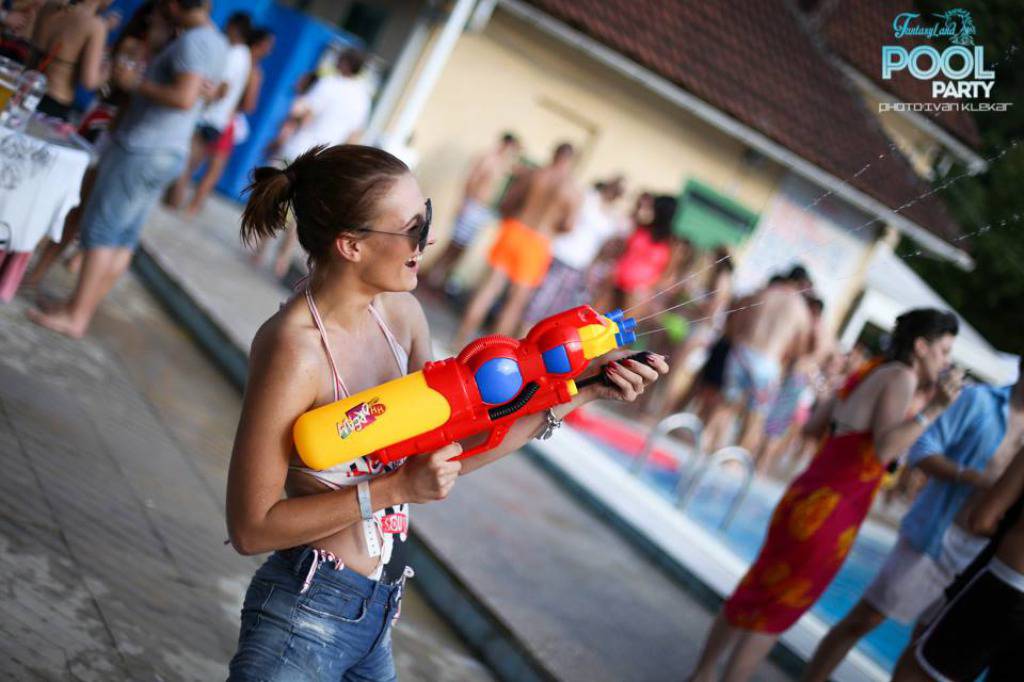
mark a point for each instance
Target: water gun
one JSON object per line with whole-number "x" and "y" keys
{"x": 493, "y": 382}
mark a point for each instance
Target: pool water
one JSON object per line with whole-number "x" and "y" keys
{"x": 710, "y": 503}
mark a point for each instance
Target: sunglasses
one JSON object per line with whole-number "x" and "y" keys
{"x": 420, "y": 235}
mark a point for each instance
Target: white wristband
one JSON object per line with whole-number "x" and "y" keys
{"x": 365, "y": 506}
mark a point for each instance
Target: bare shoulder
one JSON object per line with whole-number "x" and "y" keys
{"x": 287, "y": 343}
{"x": 403, "y": 312}
{"x": 893, "y": 377}
{"x": 97, "y": 26}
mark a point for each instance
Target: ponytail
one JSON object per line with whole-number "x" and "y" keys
{"x": 330, "y": 190}
{"x": 270, "y": 195}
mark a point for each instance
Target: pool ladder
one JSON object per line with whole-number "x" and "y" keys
{"x": 698, "y": 467}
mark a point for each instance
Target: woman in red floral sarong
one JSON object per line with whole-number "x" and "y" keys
{"x": 819, "y": 516}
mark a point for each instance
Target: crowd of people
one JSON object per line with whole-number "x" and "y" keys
{"x": 759, "y": 368}
{"x": 171, "y": 93}
{"x": 761, "y": 359}
{"x": 762, "y": 371}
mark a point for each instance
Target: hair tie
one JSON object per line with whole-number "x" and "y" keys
{"x": 290, "y": 174}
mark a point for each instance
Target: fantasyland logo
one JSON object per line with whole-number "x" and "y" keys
{"x": 961, "y": 65}
{"x": 955, "y": 24}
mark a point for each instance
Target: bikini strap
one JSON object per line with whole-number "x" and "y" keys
{"x": 396, "y": 348}
{"x": 339, "y": 386}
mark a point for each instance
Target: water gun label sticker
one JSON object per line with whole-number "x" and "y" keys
{"x": 360, "y": 417}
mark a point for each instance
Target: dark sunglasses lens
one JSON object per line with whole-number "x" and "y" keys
{"x": 425, "y": 229}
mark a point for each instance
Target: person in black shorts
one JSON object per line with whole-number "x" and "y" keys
{"x": 981, "y": 627}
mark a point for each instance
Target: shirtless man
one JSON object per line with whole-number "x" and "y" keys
{"x": 982, "y": 625}
{"x": 76, "y": 35}
{"x": 775, "y": 328}
{"x": 538, "y": 206}
{"x": 783, "y": 421}
{"x": 966, "y": 449}
{"x": 476, "y": 211}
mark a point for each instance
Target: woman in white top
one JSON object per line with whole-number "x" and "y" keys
{"x": 322, "y": 604}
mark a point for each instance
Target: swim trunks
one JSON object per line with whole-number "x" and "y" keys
{"x": 473, "y": 216}
{"x": 753, "y": 375}
{"x": 521, "y": 252}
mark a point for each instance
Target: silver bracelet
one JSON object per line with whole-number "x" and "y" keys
{"x": 551, "y": 423}
{"x": 922, "y": 419}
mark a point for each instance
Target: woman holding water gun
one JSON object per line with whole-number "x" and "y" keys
{"x": 323, "y": 603}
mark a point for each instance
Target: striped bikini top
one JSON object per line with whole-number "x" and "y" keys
{"x": 390, "y": 521}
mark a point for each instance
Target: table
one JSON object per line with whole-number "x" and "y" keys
{"x": 41, "y": 173}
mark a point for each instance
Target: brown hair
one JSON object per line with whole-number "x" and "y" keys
{"x": 331, "y": 190}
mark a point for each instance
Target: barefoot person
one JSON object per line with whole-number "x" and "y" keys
{"x": 322, "y": 605}
{"x": 819, "y": 515}
{"x": 144, "y": 35}
{"x": 476, "y": 211}
{"x": 521, "y": 255}
{"x": 148, "y": 151}
{"x": 962, "y": 453}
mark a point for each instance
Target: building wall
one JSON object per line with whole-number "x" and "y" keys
{"x": 512, "y": 77}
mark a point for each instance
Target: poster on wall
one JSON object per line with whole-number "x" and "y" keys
{"x": 802, "y": 225}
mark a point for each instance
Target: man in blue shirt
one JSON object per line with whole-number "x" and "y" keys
{"x": 962, "y": 453}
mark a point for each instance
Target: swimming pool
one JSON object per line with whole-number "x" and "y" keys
{"x": 708, "y": 506}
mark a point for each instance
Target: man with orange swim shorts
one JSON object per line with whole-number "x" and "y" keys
{"x": 536, "y": 207}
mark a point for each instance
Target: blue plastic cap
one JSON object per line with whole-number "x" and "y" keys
{"x": 626, "y": 325}
{"x": 625, "y": 338}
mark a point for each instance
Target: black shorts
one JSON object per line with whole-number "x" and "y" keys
{"x": 51, "y": 107}
{"x": 981, "y": 629}
{"x": 713, "y": 371}
{"x": 207, "y": 133}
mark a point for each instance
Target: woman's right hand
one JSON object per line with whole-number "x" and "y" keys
{"x": 429, "y": 477}
{"x": 948, "y": 388}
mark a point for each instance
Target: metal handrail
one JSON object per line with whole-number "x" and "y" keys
{"x": 732, "y": 453}
{"x": 686, "y": 421}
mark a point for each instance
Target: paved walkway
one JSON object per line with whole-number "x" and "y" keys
{"x": 112, "y": 557}
{"x": 111, "y": 540}
{"x": 581, "y": 603}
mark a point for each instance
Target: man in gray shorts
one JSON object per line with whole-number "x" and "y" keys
{"x": 963, "y": 452}
{"x": 147, "y": 152}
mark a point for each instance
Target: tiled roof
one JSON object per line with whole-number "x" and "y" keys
{"x": 856, "y": 30}
{"x": 757, "y": 62}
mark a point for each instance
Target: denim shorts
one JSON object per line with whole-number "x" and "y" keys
{"x": 128, "y": 184}
{"x": 338, "y": 628}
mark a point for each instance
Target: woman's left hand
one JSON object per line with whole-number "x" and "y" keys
{"x": 628, "y": 377}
